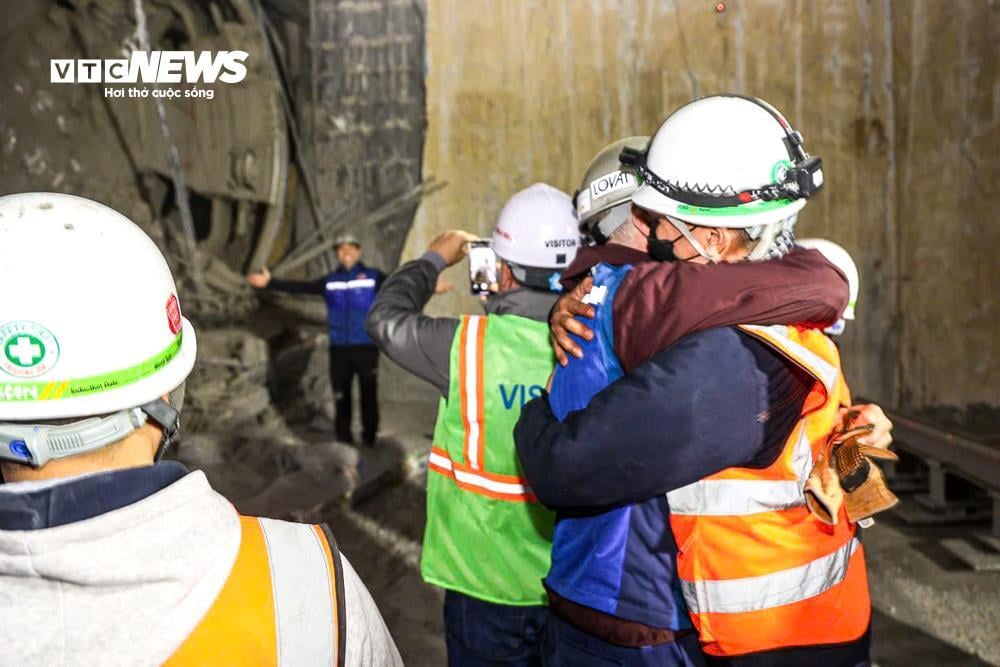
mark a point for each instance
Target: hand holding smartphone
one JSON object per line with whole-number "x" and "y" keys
{"x": 482, "y": 267}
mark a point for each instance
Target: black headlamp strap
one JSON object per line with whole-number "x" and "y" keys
{"x": 801, "y": 174}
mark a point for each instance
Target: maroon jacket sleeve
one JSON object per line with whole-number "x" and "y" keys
{"x": 659, "y": 303}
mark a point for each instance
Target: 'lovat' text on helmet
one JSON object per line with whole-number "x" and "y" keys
{"x": 91, "y": 331}
{"x": 603, "y": 200}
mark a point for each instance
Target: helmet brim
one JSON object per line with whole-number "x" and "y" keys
{"x": 650, "y": 198}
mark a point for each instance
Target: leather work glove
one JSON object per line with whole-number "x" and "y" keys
{"x": 845, "y": 476}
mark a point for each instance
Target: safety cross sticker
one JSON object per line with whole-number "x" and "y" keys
{"x": 27, "y": 349}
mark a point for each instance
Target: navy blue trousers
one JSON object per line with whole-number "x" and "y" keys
{"x": 484, "y": 634}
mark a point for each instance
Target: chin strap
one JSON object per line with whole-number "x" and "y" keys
{"x": 773, "y": 240}
{"x": 168, "y": 418}
{"x": 37, "y": 444}
{"x": 685, "y": 231}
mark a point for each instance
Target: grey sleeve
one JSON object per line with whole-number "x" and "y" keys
{"x": 417, "y": 342}
{"x": 368, "y": 642}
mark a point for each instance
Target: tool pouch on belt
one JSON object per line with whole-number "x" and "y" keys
{"x": 845, "y": 476}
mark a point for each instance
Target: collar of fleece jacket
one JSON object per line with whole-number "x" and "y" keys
{"x": 36, "y": 506}
{"x": 85, "y": 570}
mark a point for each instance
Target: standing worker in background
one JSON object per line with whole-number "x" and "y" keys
{"x": 487, "y": 539}
{"x": 349, "y": 291}
{"x": 108, "y": 556}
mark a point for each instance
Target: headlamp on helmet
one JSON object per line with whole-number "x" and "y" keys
{"x": 801, "y": 178}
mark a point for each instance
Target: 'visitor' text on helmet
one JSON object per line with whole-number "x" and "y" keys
{"x": 537, "y": 234}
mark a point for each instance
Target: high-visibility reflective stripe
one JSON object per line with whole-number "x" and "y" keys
{"x": 94, "y": 384}
{"x": 802, "y": 457}
{"x": 303, "y": 614}
{"x": 471, "y": 350}
{"x": 350, "y": 284}
{"x": 734, "y": 497}
{"x": 501, "y": 487}
{"x": 777, "y": 335}
{"x": 728, "y": 596}
{"x": 740, "y": 497}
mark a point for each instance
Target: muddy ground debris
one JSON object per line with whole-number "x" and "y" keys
{"x": 245, "y": 444}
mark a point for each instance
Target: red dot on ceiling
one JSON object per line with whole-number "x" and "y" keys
{"x": 721, "y": 7}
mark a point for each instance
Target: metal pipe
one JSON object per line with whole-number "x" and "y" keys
{"x": 387, "y": 210}
{"x": 174, "y": 160}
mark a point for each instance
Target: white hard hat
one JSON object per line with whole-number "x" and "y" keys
{"x": 841, "y": 259}
{"x": 604, "y": 197}
{"x": 727, "y": 161}
{"x": 89, "y": 318}
{"x": 537, "y": 228}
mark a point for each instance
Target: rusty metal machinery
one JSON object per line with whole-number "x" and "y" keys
{"x": 327, "y": 116}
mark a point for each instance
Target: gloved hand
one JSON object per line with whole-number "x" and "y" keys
{"x": 845, "y": 476}
{"x": 865, "y": 490}
{"x": 824, "y": 494}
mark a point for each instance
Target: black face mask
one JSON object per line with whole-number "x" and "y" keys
{"x": 663, "y": 251}
{"x": 660, "y": 250}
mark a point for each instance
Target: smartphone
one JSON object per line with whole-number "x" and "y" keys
{"x": 482, "y": 267}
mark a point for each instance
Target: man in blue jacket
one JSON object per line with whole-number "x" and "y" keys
{"x": 349, "y": 291}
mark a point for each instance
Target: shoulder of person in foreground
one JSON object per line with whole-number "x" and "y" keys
{"x": 690, "y": 411}
{"x": 658, "y": 303}
{"x": 368, "y": 641}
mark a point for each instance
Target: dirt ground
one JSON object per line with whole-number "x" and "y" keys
{"x": 381, "y": 537}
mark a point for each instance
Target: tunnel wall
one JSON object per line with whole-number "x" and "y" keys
{"x": 900, "y": 99}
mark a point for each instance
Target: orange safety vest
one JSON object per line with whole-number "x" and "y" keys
{"x": 758, "y": 571}
{"x": 283, "y": 603}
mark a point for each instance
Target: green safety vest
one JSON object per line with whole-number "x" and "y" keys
{"x": 487, "y": 536}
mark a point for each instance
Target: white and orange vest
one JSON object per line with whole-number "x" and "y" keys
{"x": 758, "y": 571}
{"x": 283, "y": 603}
